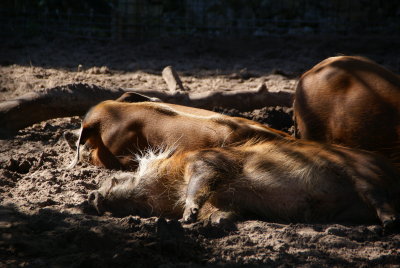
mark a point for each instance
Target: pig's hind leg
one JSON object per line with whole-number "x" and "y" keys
{"x": 378, "y": 198}
{"x": 204, "y": 175}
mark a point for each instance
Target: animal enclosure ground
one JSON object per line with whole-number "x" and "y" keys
{"x": 43, "y": 217}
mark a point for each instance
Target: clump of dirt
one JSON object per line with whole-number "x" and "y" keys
{"x": 280, "y": 118}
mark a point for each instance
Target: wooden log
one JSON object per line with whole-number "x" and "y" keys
{"x": 243, "y": 100}
{"x": 62, "y": 101}
{"x": 76, "y": 99}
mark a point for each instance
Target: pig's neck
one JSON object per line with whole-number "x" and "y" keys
{"x": 163, "y": 187}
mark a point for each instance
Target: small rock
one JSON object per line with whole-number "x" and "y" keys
{"x": 48, "y": 202}
{"x": 134, "y": 220}
{"x": 376, "y": 229}
{"x": 104, "y": 70}
{"x": 97, "y": 70}
{"x": 93, "y": 70}
{"x": 335, "y": 231}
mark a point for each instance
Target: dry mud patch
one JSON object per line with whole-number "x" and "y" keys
{"x": 44, "y": 223}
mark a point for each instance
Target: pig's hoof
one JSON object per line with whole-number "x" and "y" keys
{"x": 222, "y": 219}
{"x": 190, "y": 215}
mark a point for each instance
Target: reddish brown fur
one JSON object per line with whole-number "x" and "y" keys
{"x": 350, "y": 101}
{"x": 276, "y": 180}
{"x": 116, "y": 131}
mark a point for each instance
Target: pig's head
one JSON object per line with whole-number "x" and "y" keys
{"x": 134, "y": 193}
{"x": 117, "y": 194}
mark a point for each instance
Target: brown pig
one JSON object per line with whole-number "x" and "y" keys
{"x": 117, "y": 130}
{"x": 350, "y": 101}
{"x": 277, "y": 180}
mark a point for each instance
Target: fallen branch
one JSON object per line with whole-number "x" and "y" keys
{"x": 62, "y": 101}
{"x": 76, "y": 99}
{"x": 172, "y": 79}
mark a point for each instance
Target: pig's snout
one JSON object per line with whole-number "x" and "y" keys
{"x": 96, "y": 200}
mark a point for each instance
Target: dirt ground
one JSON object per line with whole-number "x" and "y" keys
{"x": 43, "y": 218}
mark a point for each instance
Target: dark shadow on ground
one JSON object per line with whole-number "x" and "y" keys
{"x": 289, "y": 55}
{"x": 51, "y": 238}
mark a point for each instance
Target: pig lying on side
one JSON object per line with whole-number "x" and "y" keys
{"x": 278, "y": 180}
{"x": 116, "y": 130}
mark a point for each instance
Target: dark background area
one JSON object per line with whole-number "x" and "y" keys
{"x": 133, "y": 19}
{"x": 195, "y": 35}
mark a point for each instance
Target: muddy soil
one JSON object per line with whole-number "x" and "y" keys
{"x": 44, "y": 221}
